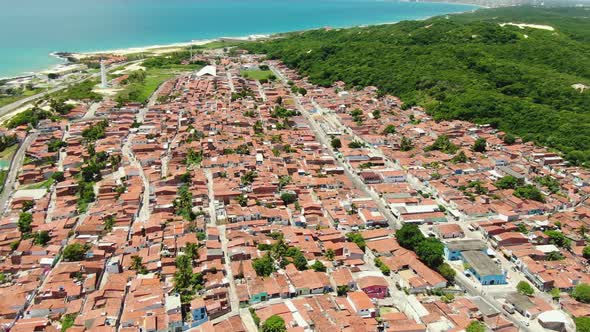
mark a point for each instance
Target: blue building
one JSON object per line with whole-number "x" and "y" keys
{"x": 483, "y": 268}
{"x": 454, "y": 248}
{"x": 198, "y": 313}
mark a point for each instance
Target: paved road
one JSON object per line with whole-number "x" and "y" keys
{"x": 478, "y": 290}
{"x": 19, "y": 103}
{"x": 15, "y": 166}
{"x": 212, "y": 210}
{"x": 230, "y": 81}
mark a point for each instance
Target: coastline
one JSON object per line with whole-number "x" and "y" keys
{"x": 159, "y": 49}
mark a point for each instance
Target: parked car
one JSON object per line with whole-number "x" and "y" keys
{"x": 508, "y": 307}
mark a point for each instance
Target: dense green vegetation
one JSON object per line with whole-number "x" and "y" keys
{"x": 475, "y": 326}
{"x": 75, "y": 252}
{"x": 183, "y": 204}
{"x": 582, "y": 324}
{"x": 29, "y": 117}
{"x": 525, "y": 288}
{"x": 80, "y": 91}
{"x": 279, "y": 254}
{"x": 428, "y": 249}
{"x": 67, "y": 321}
{"x": 274, "y": 323}
{"x": 358, "y": 239}
{"x": 582, "y": 293}
{"x": 186, "y": 282}
{"x": 466, "y": 67}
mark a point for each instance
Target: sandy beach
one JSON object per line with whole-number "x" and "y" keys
{"x": 164, "y": 48}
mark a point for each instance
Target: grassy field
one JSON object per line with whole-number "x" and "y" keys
{"x": 3, "y": 175}
{"x": 39, "y": 185}
{"x": 220, "y": 44}
{"x": 8, "y": 152}
{"x": 5, "y": 157}
{"x": 5, "y": 100}
{"x": 141, "y": 92}
{"x": 256, "y": 74}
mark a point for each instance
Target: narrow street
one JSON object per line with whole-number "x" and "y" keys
{"x": 212, "y": 210}
{"x": 230, "y": 81}
{"x": 325, "y": 140}
{"x": 233, "y": 294}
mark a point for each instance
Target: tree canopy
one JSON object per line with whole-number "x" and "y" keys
{"x": 525, "y": 288}
{"x": 75, "y": 252}
{"x": 274, "y": 323}
{"x": 465, "y": 67}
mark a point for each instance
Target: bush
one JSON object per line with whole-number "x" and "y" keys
{"x": 525, "y": 288}
{"x": 582, "y": 293}
{"x": 475, "y": 326}
{"x": 357, "y": 238}
{"x": 582, "y": 324}
{"x": 336, "y": 143}
{"x": 480, "y": 145}
{"x": 254, "y": 316}
{"x": 342, "y": 290}
{"x": 509, "y": 182}
{"x": 558, "y": 238}
{"x": 447, "y": 272}
{"x": 75, "y": 252}
{"x": 24, "y": 222}
{"x": 274, "y": 323}
{"x": 263, "y": 266}
{"x": 288, "y": 198}
{"x": 318, "y": 266}
{"x": 529, "y": 191}
{"x": 390, "y": 129}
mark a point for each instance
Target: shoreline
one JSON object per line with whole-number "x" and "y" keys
{"x": 63, "y": 56}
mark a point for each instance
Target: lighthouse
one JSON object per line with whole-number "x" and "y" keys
{"x": 103, "y": 76}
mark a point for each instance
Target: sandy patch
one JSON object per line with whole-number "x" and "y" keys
{"x": 167, "y": 48}
{"x": 533, "y": 26}
{"x": 154, "y": 49}
{"x": 107, "y": 92}
{"x": 131, "y": 68}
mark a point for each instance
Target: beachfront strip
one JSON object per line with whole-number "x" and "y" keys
{"x": 227, "y": 200}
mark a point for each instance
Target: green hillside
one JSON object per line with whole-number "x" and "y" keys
{"x": 466, "y": 67}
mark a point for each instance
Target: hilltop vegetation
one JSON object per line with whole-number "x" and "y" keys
{"x": 466, "y": 67}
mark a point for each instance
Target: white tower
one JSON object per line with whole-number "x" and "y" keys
{"x": 103, "y": 76}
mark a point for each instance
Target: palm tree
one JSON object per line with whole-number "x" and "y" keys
{"x": 582, "y": 230}
{"x": 191, "y": 250}
{"x": 137, "y": 264}
{"x": 330, "y": 254}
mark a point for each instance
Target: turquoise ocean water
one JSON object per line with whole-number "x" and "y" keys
{"x": 32, "y": 29}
